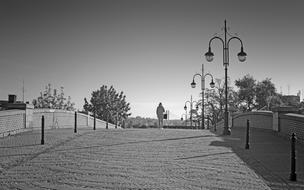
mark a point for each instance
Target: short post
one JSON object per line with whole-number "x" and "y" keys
{"x": 75, "y": 126}
{"x": 94, "y": 128}
{"x": 42, "y": 130}
{"x": 247, "y": 135}
{"x": 293, "y": 175}
{"x": 116, "y": 121}
{"x": 107, "y": 124}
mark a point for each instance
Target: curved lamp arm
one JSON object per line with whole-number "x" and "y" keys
{"x": 212, "y": 84}
{"x": 216, "y": 37}
{"x": 234, "y": 37}
{"x": 209, "y": 55}
{"x": 193, "y": 84}
{"x": 185, "y": 107}
{"x": 242, "y": 55}
{"x": 197, "y": 74}
{"x": 209, "y": 75}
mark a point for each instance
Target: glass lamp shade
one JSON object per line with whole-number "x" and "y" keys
{"x": 193, "y": 84}
{"x": 212, "y": 84}
{"x": 209, "y": 55}
{"x": 242, "y": 55}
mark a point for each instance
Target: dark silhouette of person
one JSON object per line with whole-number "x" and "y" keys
{"x": 160, "y": 115}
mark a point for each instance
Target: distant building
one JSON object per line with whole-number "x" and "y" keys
{"x": 11, "y": 103}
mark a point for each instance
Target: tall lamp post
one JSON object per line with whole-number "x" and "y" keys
{"x": 242, "y": 57}
{"x": 191, "y": 108}
{"x": 182, "y": 118}
{"x": 193, "y": 84}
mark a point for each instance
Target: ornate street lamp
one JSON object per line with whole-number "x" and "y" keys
{"x": 193, "y": 85}
{"x": 241, "y": 56}
{"x": 191, "y": 106}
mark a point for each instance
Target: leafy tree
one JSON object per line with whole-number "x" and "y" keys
{"x": 246, "y": 92}
{"x": 108, "y": 105}
{"x": 265, "y": 94}
{"x": 253, "y": 94}
{"x": 215, "y": 101}
{"x": 49, "y": 98}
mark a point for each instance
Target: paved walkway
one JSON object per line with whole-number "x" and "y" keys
{"x": 128, "y": 159}
{"x": 268, "y": 155}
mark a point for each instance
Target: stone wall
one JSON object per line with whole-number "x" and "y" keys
{"x": 15, "y": 121}
{"x": 284, "y": 124}
{"x": 11, "y": 122}
{"x": 258, "y": 119}
{"x": 292, "y": 123}
{"x": 53, "y": 118}
{"x": 65, "y": 119}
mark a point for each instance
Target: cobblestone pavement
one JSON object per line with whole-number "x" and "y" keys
{"x": 123, "y": 159}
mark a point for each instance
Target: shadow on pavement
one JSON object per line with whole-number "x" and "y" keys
{"x": 202, "y": 156}
{"x": 133, "y": 142}
{"x": 268, "y": 156}
{"x": 20, "y": 146}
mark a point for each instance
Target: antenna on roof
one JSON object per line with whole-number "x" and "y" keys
{"x": 23, "y": 91}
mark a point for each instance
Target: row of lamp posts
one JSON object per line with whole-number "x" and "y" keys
{"x": 242, "y": 57}
{"x": 209, "y": 57}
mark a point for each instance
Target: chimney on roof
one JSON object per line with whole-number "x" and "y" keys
{"x": 12, "y": 98}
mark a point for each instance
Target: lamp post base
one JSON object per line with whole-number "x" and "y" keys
{"x": 226, "y": 131}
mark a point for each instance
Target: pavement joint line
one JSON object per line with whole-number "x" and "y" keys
{"x": 136, "y": 142}
{"x": 206, "y": 155}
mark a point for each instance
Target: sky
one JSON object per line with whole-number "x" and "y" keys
{"x": 149, "y": 49}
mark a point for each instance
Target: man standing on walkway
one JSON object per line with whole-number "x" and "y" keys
{"x": 160, "y": 115}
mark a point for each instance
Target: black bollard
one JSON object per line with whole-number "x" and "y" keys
{"x": 42, "y": 130}
{"x": 116, "y": 121}
{"x": 247, "y": 135}
{"x": 75, "y": 126}
{"x": 94, "y": 128}
{"x": 107, "y": 124}
{"x": 293, "y": 175}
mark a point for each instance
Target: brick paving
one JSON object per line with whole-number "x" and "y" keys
{"x": 123, "y": 159}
